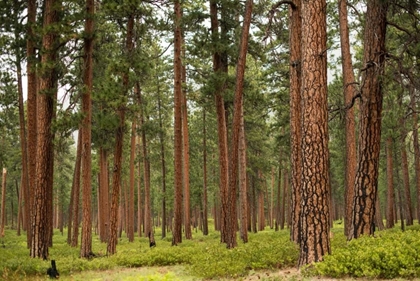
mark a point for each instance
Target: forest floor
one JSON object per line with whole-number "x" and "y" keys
{"x": 177, "y": 273}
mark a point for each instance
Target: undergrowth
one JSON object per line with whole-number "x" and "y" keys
{"x": 390, "y": 254}
{"x": 204, "y": 256}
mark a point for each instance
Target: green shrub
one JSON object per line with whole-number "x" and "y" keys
{"x": 389, "y": 255}
{"x": 265, "y": 250}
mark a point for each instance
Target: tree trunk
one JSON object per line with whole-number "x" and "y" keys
{"x": 126, "y": 211}
{"x": 261, "y": 217}
{"x": 378, "y": 222}
{"x": 118, "y": 151}
{"x": 177, "y": 228}
{"x": 221, "y": 125}
{"x": 315, "y": 198}
{"x": 31, "y": 114}
{"x": 416, "y": 145}
{"x": 283, "y": 201}
{"x": 390, "y": 184}
{"x": 74, "y": 236}
{"x": 23, "y": 204}
{"x": 243, "y": 190}
{"x": 103, "y": 190}
{"x": 42, "y": 214}
{"x": 279, "y": 204}
{"x": 130, "y": 215}
{"x": 238, "y": 109}
{"x": 205, "y": 201}
{"x": 3, "y": 202}
{"x": 349, "y": 93}
{"x": 406, "y": 182}
{"x": 86, "y": 241}
{"x": 103, "y": 195}
{"x": 148, "y": 227}
{"x": 295, "y": 70}
{"x": 186, "y": 144}
{"x": 139, "y": 201}
{"x": 163, "y": 163}
{"x": 186, "y": 162}
{"x": 20, "y": 221}
{"x": 366, "y": 181}
{"x": 253, "y": 205}
{"x": 271, "y": 200}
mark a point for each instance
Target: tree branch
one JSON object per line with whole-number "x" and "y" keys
{"x": 399, "y": 27}
{"x": 273, "y": 11}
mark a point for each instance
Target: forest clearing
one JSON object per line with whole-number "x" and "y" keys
{"x": 269, "y": 255}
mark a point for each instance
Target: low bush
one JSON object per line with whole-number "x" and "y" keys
{"x": 205, "y": 256}
{"x": 388, "y": 255}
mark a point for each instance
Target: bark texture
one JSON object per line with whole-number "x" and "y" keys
{"x": 366, "y": 181}
{"x": 42, "y": 214}
{"x": 177, "y": 227}
{"x": 295, "y": 70}
{"x": 86, "y": 242}
{"x": 315, "y": 201}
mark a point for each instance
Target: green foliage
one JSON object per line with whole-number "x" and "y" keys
{"x": 205, "y": 256}
{"x": 390, "y": 254}
{"x": 265, "y": 250}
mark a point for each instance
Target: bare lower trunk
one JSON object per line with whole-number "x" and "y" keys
{"x": 366, "y": 182}
{"x": 349, "y": 89}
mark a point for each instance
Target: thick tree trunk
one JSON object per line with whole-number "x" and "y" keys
{"x": 86, "y": 241}
{"x": 295, "y": 69}
{"x": 349, "y": 89}
{"x": 42, "y": 214}
{"x": 314, "y": 227}
{"x": 366, "y": 182}
{"x": 177, "y": 228}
